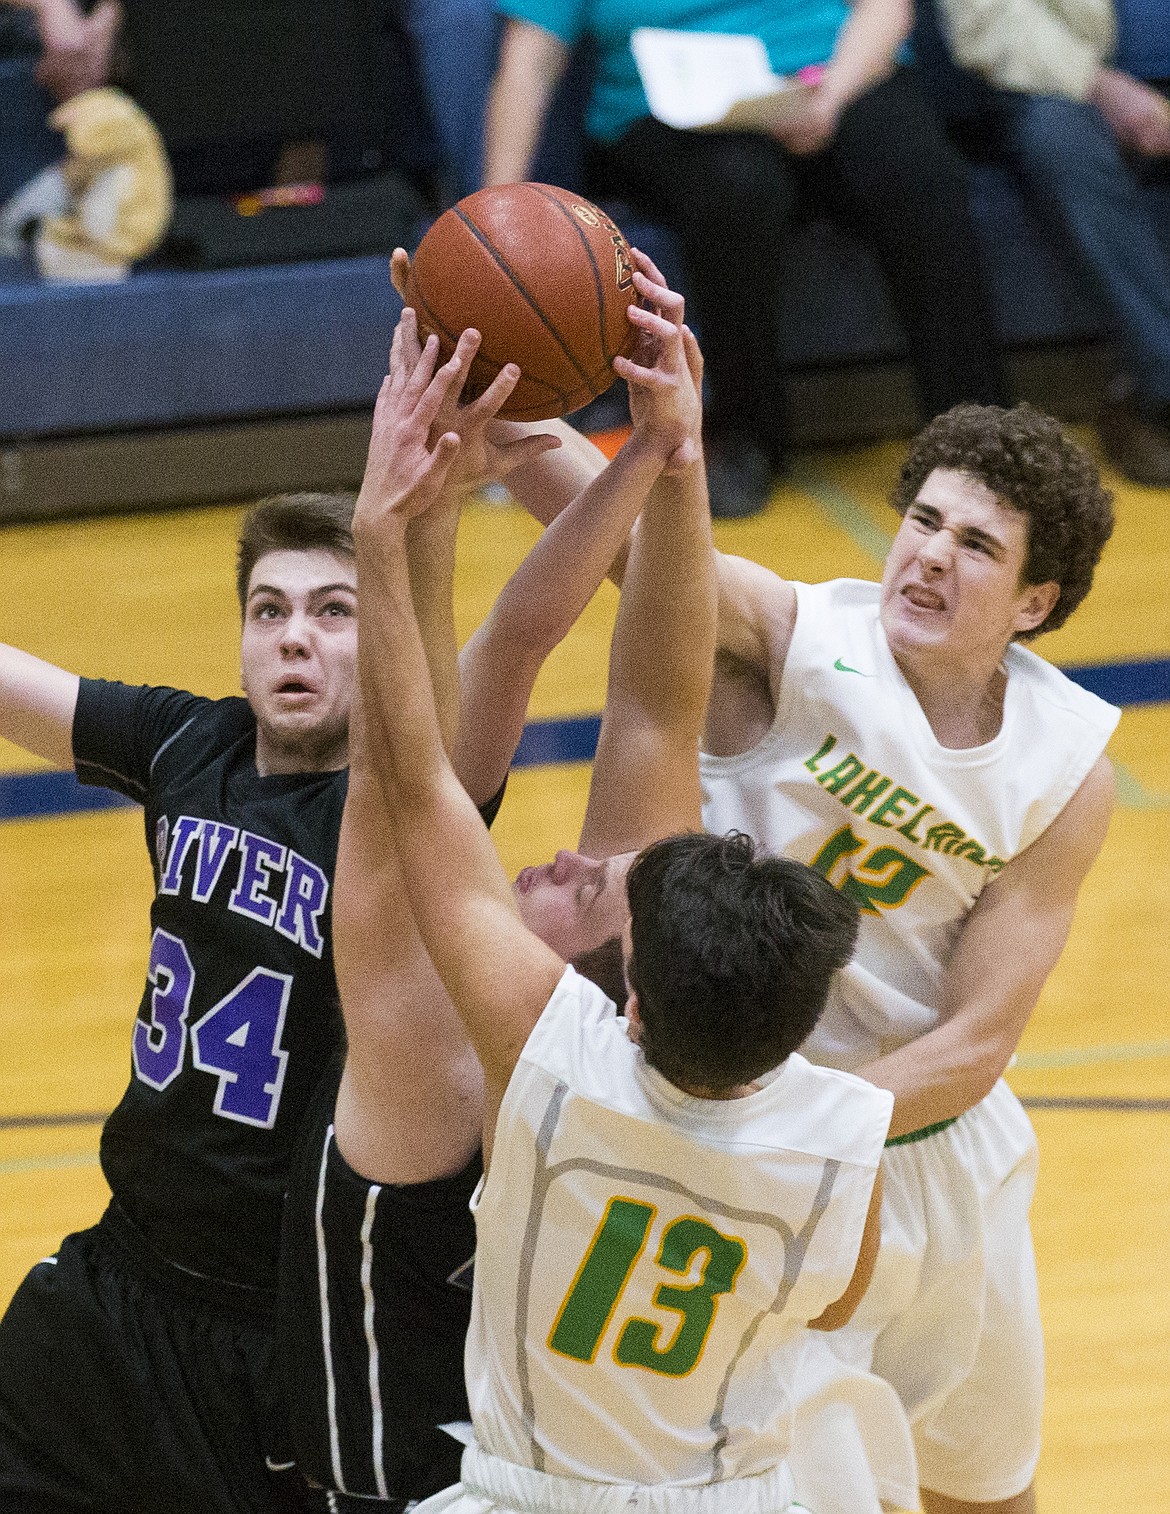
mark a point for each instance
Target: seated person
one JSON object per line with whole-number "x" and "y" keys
{"x": 1080, "y": 131}
{"x": 864, "y": 145}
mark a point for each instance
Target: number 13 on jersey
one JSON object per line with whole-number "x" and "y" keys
{"x": 591, "y": 1303}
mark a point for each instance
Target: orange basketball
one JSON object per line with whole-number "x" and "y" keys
{"x": 545, "y": 277}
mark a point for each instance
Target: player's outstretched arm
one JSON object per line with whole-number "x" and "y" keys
{"x": 409, "y": 1105}
{"x": 410, "y": 1102}
{"x": 37, "y": 703}
{"x": 498, "y": 975}
{"x": 541, "y": 603}
{"x": 1008, "y": 945}
{"x": 757, "y": 608}
{"x": 431, "y": 536}
{"x": 646, "y": 776}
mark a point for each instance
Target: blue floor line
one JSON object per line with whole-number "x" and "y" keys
{"x": 546, "y": 743}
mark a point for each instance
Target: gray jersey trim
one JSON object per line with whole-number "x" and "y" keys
{"x": 795, "y": 1243}
{"x": 171, "y": 739}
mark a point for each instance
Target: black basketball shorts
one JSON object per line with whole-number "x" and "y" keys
{"x": 375, "y": 1300}
{"x": 130, "y": 1387}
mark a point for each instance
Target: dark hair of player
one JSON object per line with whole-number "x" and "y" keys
{"x": 293, "y": 523}
{"x": 1027, "y": 462}
{"x": 731, "y": 956}
{"x": 605, "y": 966}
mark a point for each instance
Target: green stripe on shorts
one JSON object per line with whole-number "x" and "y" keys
{"x": 921, "y": 1135}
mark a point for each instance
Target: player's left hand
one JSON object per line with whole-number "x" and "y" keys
{"x": 665, "y": 374}
{"x": 405, "y": 470}
{"x": 492, "y": 449}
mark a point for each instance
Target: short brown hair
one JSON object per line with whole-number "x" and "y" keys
{"x": 1028, "y": 463}
{"x": 293, "y": 523}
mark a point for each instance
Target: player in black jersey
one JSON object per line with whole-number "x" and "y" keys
{"x": 137, "y": 1371}
{"x": 378, "y": 1233}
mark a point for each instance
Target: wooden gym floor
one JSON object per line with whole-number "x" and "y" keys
{"x": 150, "y": 599}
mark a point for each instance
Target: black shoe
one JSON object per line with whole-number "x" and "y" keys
{"x": 739, "y": 479}
{"x": 1136, "y": 438}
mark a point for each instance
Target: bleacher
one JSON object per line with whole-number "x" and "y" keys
{"x": 184, "y": 385}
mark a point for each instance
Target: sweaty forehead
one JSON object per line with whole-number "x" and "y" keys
{"x": 302, "y": 572}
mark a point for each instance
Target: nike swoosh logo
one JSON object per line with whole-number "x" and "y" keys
{"x": 278, "y": 1466}
{"x": 845, "y": 668}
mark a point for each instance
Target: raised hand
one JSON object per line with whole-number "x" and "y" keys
{"x": 492, "y": 449}
{"x": 665, "y": 374}
{"x": 405, "y": 469}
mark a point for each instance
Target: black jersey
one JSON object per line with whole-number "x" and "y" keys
{"x": 239, "y": 1016}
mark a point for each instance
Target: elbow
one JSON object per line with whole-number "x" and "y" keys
{"x": 973, "y": 1082}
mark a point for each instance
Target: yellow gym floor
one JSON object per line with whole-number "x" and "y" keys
{"x": 150, "y": 599}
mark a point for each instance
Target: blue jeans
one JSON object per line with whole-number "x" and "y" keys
{"x": 1072, "y": 164}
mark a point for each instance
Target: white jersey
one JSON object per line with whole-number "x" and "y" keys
{"x": 647, "y": 1261}
{"x": 852, "y": 779}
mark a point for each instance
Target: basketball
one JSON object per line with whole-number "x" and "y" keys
{"x": 545, "y": 277}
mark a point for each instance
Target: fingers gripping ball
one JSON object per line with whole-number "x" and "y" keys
{"x": 545, "y": 277}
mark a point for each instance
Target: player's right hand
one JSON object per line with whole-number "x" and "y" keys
{"x": 665, "y": 374}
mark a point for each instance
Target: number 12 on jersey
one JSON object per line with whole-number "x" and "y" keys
{"x": 592, "y": 1301}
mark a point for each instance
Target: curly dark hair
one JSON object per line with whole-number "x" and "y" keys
{"x": 1028, "y": 462}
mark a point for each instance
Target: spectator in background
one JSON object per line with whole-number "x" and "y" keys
{"x": 77, "y": 43}
{"x": 865, "y": 145}
{"x": 1082, "y": 134}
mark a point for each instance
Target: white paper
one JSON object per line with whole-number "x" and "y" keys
{"x": 710, "y": 79}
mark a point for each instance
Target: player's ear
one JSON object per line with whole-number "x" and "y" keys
{"x": 1036, "y": 605}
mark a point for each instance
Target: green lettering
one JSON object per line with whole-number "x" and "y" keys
{"x": 903, "y": 876}
{"x": 842, "y": 843}
{"x": 638, "y": 1345}
{"x": 995, "y": 864}
{"x": 862, "y": 795}
{"x": 973, "y": 850}
{"x": 826, "y": 747}
{"x": 893, "y": 805}
{"x": 907, "y": 830}
{"x": 603, "y": 1274}
{"x": 845, "y": 772}
{"x": 943, "y": 836}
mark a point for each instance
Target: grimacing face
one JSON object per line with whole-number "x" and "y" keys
{"x": 953, "y": 588}
{"x": 574, "y": 903}
{"x": 298, "y": 658}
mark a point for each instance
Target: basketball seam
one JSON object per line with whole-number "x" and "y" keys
{"x": 433, "y": 320}
{"x": 597, "y": 279}
{"x": 519, "y": 287}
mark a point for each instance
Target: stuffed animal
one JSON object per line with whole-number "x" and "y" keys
{"x": 108, "y": 203}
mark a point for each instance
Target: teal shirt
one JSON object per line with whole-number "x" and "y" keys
{"x": 795, "y": 32}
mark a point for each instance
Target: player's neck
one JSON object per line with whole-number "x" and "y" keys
{"x": 963, "y": 704}
{"x": 741, "y": 1091}
{"x": 273, "y": 759}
